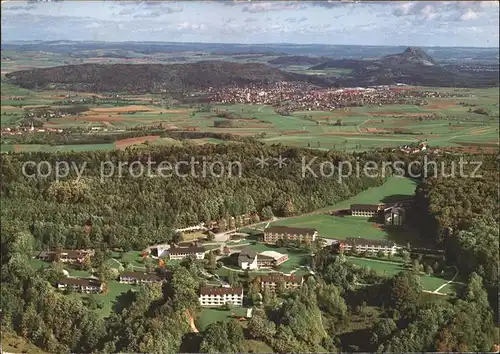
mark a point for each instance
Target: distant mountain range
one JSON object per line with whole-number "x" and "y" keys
{"x": 413, "y": 66}
{"x": 85, "y": 48}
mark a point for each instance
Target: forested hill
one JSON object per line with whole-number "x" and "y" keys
{"x": 132, "y": 212}
{"x": 143, "y": 78}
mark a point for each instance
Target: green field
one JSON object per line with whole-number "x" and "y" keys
{"x": 387, "y": 268}
{"x": 363, "y": 128}
{"x": 339, "y": 228}
{"x": 209, "y": 315}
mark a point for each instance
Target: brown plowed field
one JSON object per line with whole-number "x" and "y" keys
{"x": 121, "y": 144}
{"x": 440, "y": 104}
{"x": 293, "y": 132}
{"x": 121, "y": 109}
{"x": 487, "y": 144}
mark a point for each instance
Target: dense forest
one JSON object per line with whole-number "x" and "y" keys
{"x": 131, "y": 212}
{"x": 128, "y": 212}
{"x": 143, "y": 78}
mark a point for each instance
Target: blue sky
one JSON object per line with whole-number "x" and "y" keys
{"x": 447, "y": 23}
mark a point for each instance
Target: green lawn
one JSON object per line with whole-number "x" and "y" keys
{"x": 429, "y": 282}
{"x": 342, "y": 227}
{"x": 209, "y": 315}
{"x": 134, "y": 258}
{"x": 335, "y": 227}
{"x": 108, "y": 299}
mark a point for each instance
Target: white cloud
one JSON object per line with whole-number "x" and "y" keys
{"x": 469, "y": 15}
{"x": 191, "y": 26}
{"x": 93, "y": 25}
{"x": 272, "y": 6}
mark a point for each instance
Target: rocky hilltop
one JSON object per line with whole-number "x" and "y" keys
{"x": 413, "y": 67}
{"x": 411, "y": 56}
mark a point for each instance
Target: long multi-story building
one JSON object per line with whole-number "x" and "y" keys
{"x": 221, "y": 296}
{"x": 272, "y": 281}
{"x": 274, "y": 233}
{"x": 81, "y": 285}
{"x": 369, "y": 245}
{"x": 139, "y": 278}
{"x": 184, "y": 252}
{"x": 66, "y": 256}
{"x": 366, "y": 210}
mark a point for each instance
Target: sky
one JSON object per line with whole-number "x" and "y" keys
{"x": 418, "y": 23}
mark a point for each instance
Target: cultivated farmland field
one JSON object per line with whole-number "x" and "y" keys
{"x": 445, "y": 122}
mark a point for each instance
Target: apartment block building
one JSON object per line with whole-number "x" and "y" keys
{"x": 221, "y": 296}
{"x": 272, "y": 281}
{"x": 184, "y": 252}
{"x": 81, "y": 285}
{"x": 274, "y": 233}
{"x": 66, "y": 256}
{"x": 364, "y": 245}
{"x": 138, "y": 278}
{"x": 366, "y": 210}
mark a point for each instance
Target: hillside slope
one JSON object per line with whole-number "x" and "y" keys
{"x": 142, "y": 78}
{"x": 297, "y": 60}
{"x": 413, "y": 67}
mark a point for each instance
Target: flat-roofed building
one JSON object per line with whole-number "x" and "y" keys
{"x": 139, "y": 278}
{"x": 274, "y": 233}
{"x": 221, "y": 296}
{"x": 81, "y": 285}
{"x": 272, "y": 281}
{"x": 370, "y": 245}
{"x": 270, "y": 259}
{"x": 184, "y": 252}
{"x": 366, "y": 210}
